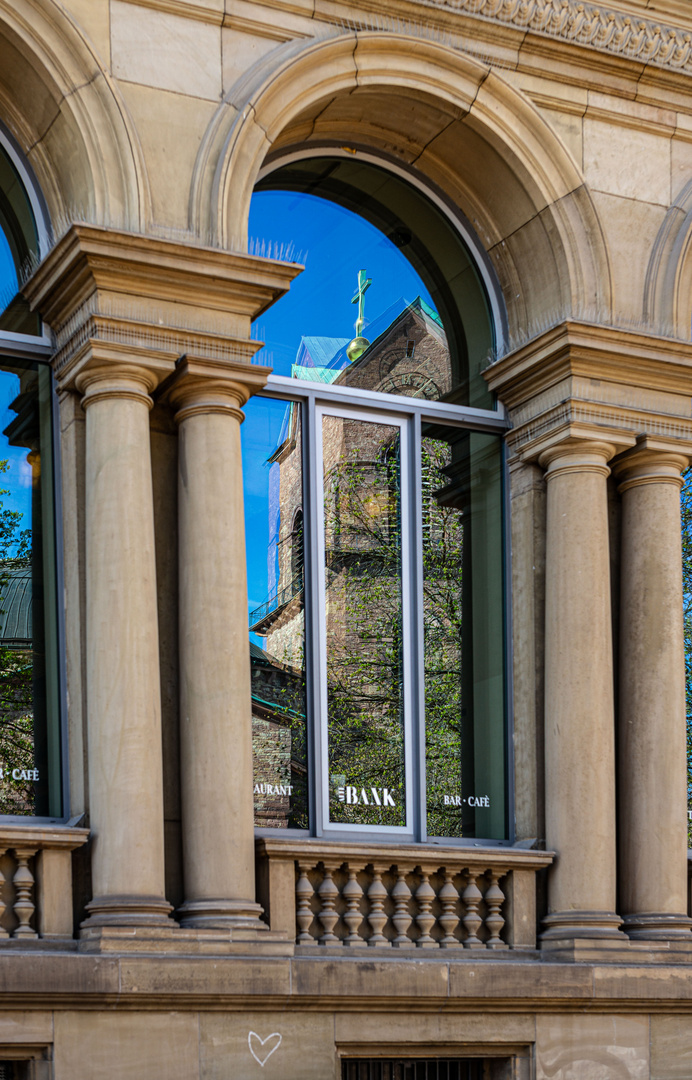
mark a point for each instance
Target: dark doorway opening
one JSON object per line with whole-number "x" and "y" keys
{"x": 413, "y": 1069}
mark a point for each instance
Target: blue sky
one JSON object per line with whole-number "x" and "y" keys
{"x": 8, "y": 276}
{"x": 18, "y": 478}
{"x": 335, "y": 244}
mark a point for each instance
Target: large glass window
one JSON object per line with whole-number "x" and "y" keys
{"x": 30, "y": 740}
{"x": 374, "y": 519}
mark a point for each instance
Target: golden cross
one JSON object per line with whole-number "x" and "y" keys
{"x": 359, "y": 299}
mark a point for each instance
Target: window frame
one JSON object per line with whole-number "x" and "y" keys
{"x": 316, "y": 400}
{"x": 39, "y": 348}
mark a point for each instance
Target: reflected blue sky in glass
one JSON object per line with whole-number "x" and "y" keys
{"x": 18, "y": 478}
{"x": 8, "y": 275}
{"x": 335, "y": 244}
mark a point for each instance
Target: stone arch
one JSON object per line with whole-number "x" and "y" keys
{"x": 461, "y": 125}
{"x": 668, "y": 282}
{"x": 67, "y": 117}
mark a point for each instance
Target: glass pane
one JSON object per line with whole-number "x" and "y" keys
{"x": 29, "y": 698}
{"x": 389, "y": 299}
{"x": 18, "y": 248}
{"x": 272, "y": 477}
{"x": 363, "y": 612}
{"x": 463, "y": 633}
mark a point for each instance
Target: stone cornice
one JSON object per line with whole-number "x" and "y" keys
{"x": 579, "y": 378}
{"x": 624, "y": 31}
{"x": 89, "y": 259}
{"x": 605, "y": 29}
{"x": 110, "y": 292}
{"x": 594, "y": 352}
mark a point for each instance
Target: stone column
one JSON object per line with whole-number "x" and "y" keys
{"x": 652, "y": 789}
{"x": 215, "y": 710}
{"x": 124, "y": 712}
{"x": 579, "y": 711}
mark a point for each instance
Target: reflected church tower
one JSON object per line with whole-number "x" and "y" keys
{"x": 406, "y": 353}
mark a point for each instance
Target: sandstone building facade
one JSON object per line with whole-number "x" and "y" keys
{"x": 432, "y": 822}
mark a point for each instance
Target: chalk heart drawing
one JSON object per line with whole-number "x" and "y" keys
{"x": 262, "y": 1049}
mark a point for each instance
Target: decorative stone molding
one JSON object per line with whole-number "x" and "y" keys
{"x": 111, "y": 295}
{"x": 617, "y": 33}
{"x": 596, "y": 381}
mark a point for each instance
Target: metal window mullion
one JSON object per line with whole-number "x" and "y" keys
{"x": 465, "y": 416}
{"x": 314, "y": 642}
{"x": 61, "y": 631}
{"x": 510, "y": 821}
{"x": 417, "y": 632}
{"x": 312, "y": 634}
{"x": 407, "y": 594}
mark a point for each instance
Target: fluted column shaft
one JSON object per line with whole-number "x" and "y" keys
{"x": 579, "y": 720}
{"x": 215, "y": 716}
{"x": 652, "y": 789}
{"x": 123, "y": 688}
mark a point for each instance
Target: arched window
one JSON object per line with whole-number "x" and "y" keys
{"x": 31, "y": 759}
{"x": 379, "y": 685}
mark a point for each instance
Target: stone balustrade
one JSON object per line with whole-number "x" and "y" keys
{"x": 36, "y": 881}
{"x": 345, "y": 895}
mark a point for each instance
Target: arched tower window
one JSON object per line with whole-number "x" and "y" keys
{"x": 384, "y": 676}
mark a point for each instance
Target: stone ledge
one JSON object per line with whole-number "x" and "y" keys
{"x": 28, "y": 977}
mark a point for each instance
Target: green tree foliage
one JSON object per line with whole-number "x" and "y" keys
{"x": 364, "y": 662}
{"x": 364, "y": 634}
{"x": 443, "y": 607}
{"x": 16, "y": 669}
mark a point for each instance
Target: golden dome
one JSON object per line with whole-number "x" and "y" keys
{"x": 357, "y": 347}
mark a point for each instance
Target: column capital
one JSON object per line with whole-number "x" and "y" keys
{"x": 200, "y": 386}
{"x": 653, "y": 461}
{"x": 109, "y": 371}
{"x": 579, "y": 449}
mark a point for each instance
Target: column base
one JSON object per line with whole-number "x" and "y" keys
{"x": 221, "y": 915}
{"x": 128, "y": 911}
{"x": 174, "y": 940}
{"x": 594, "y": 925}
{"x": 658, "y": 926}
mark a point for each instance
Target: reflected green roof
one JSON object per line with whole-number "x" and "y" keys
{"x": 15, "y": 607}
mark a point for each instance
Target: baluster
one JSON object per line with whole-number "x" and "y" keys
{"x": 24, "y": 906}
{"x": 328, "y": 915}
{"x": 494, "y": 899}
{"x": 3, "y": 906}
{"x": 472, "y": 921}
{"x": 425, "y": 894}
{"x": 304, "y": 894}
{"x": 402, "y": 918}
{"x": 377, "y": 894}
{"x": 449, "y": 919}
{"x": 353, "y": 917}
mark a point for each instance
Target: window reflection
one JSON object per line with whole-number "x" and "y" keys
{"x": 349, "y": 217}
{"x": 363, "y": 609}
{"x": 463, "y": 632}
{"x": 272, "y": 447}
{"x": 29, "y": 702}
{"x": 18, "y": 244}
{"x": 390, "y": 303}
